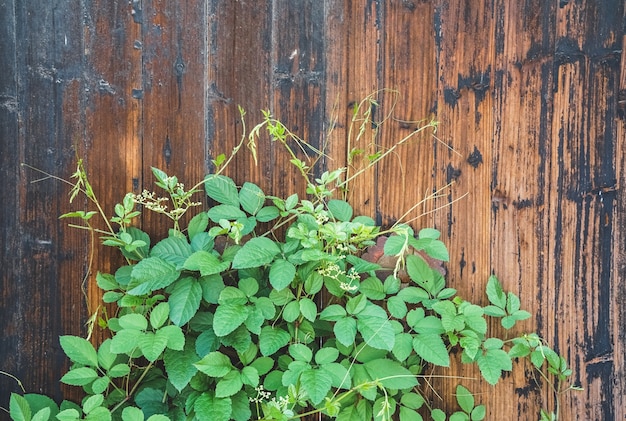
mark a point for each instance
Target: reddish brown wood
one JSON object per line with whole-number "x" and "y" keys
{"x": 530, "y": 100}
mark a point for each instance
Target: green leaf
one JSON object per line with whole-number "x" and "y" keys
{"x": 221, "y": 189}
{"x": 79, "y": 376}
{"x": 133, "y": 321}
{"x": 356, "y": 304}
{"x": 407, "y": 414}
{"x": 206, "y": 263}
{"x": 391, "y": 374}
{"x": 431, "y": 233}
{"x": 403, "y": 346}
{"x": 124, "y": 341}
{"x": 257, "y": 252}
{"x": 152, "y": 345}
{"x": 79, "y": 350}
{"x": 173, "y": 249}
{"x": 267, "y": 213}
{"x": 492, "y": 363}
{"x": 340, "y": 210}
{"x": 250, "y": 376}
{"x": 69, "y": 414}
{"x": 179, "y": 365}
{"x": 281, "y": 274}
{"x": 512, "y": 303}
{"x": 372, "y": 288}
{"x": 397, "y": 307}
{"x": 174, "y": 335}
{"x": 42, "y": 415}
{"x": 495, "y": 294}
{"x": 362, "y": 410}
{"x": 39, "y": 402}
{"x": 159, "y": 315}
{"x": 340, "y": 375}
{"x": 229, "y": 384}
{"x": 184, "y": 300}
{"x": 198, "y": 224}
{"x": 263, "y": 365}
{"x": 106, "y": 281}
{"x": 326, "y": 355}
{"x": 251, "y": 198}
{"x": 420, "y": 272}
{"x": 376, "y": 331}
{"x": 478, "y": 413}
{"x": 465, "y": 399}
{"x": 333, "y": 312}
{"x": 150, "y": 274}
{"x": 131, "y": 413}
{"x": 232, "y": 296}
{"x": 345, "y": 330}
{"x": 316, "y": 383}
{"x": 241, "y": 407}
{"x": 227, "y": 212}
{"x": 394, "y": 245}
{"x": 431, "y": 348}
{"x": 210, "y": 407}
{"x": 100, "y": 384}
{"x": 434, "y": 249}
{"x": 19, "y": 410}
{"x": 228, "y": 317}
{"x": 92, "y": 402}
{"x": 412, "y": 400}
{"x": 494, "y": 311}
{"x": 438, "y": 415}
{"x": 308, "y": 309}
{"x": 291, "y": 311}
{"x": 214, "y": 364}
{"x": 249, "y": 286}
{"x": 272, "y": 339}
{"x": 459, "y": 416}
{"x": 413, "y": 295}
{"x": 119, "y": 370}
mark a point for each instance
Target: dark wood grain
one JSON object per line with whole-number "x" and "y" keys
{"x": 530, "y": 100}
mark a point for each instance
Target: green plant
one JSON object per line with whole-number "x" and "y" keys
{"x": 277, "y": 308}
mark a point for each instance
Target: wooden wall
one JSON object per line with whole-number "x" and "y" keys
{"x": 531, "y": 95}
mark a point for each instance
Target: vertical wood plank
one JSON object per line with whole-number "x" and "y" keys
{"x": 10, "y": 190}
{"x": 519, "y": 212}
{"x": 298, "y": 100}
{"x": 465, "y": 111}
{"x": 364, "y": 21}
{"x": 583, "y": 201}
{"x": 111, "y": 143}
{"x": 239, "y": 72}
{"x": 407, "y": 177}
{"x": 173, "y": 95}
{"x": 34, "y": 287}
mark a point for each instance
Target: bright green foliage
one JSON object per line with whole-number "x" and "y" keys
{"x": 224, "y": 319}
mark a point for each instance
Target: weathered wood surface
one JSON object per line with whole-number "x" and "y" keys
{"x": 531, "y": 96}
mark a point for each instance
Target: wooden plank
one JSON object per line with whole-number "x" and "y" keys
{"x": 111, "y": 143}
{"x": 173, "y": 96}
{"x": 408, "y": 74}
{"x": 465, "y": 111}
{"x": 618, "y": 305}
{"x": 32, "y": 91}
{"x": 520, "y": 214}
{"x": 363, "y": 23}
{"x": 583, "y": 203}
{"x": 239, "y": 72}
{"x": 10, "y": 190}
{"x": 297, "y": 97}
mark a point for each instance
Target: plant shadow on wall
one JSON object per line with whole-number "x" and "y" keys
{"x": 222, "y": 319}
